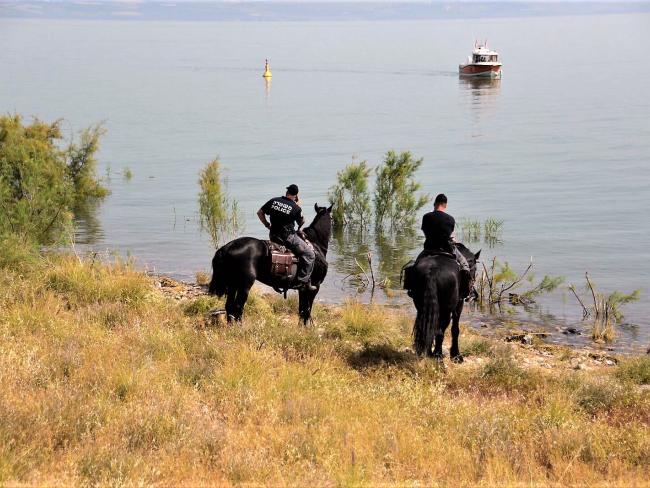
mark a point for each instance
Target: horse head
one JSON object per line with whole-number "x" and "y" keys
{"x": 472, "y": 260}
{"x": 320, "y": 229}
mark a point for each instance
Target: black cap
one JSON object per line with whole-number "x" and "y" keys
{"x": 292, "y": 189}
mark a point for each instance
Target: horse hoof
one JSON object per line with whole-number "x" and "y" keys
{"x": 458, "y": 359}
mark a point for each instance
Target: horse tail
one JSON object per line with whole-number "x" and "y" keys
{"x": 218, "y": 285}
{"x": 426, "y": 321}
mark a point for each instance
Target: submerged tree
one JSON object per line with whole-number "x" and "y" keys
{"x": 42, "y": 181}
{"x": 219, "y": 215}
{"x": 349, "y": 196}
{"x": 82, "y": 165}
{"x": 606, "y": 310}
{"x": 396, "y": 202}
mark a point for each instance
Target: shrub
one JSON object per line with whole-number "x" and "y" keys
{"x": 82, "y": 165}
{"x": 504, "y": 374}
{"x": 499, "y": 283}
{"x": 219, "y": 215}
{"x": 606, "y": 310}
{"x": 636, "y": 370}
{"x": 599, "y": 396}
{"x": 40, "y": 183}
{"x": 349, "y": 197}
{"x": 395, "y": 191}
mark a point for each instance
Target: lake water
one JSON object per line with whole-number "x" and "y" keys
{"x": 559, "y": 149}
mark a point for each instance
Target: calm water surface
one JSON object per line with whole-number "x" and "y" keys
{"x": 559, "y": 149}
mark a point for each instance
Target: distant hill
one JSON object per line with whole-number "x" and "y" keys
{"x": 304, "y": 11}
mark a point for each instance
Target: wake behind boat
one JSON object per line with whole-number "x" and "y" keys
{"x": 482, "y": 63}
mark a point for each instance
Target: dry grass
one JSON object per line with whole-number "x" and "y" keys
{"x": 105, "y": 381}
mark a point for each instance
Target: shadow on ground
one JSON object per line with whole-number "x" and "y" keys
{"x": 382, "y": 355}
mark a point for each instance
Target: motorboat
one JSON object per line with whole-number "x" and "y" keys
{"x": 482, "y": 63}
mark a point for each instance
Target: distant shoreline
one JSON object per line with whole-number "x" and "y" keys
{"x": 306, "y": 11}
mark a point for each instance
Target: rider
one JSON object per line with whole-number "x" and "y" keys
{"x": 284, "y": 212}
{"x": 438, "y": 227}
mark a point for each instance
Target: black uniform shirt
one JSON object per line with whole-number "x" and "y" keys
{"x": 437, "y": 227}
{"x": 284, "y": 213}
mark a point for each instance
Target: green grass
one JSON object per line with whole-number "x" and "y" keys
{"x": 107, "y": 382}
{"x": 636, "y": 370}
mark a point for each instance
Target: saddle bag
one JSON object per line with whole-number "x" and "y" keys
{"x": 282, "y": 263}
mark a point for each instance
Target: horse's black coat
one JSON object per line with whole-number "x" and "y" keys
{"x": 237, "y": 265}
{"x": 434, "y": 287}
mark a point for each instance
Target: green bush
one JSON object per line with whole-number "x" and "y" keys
{"x": 395, "y": 191}
{"x": 40, "y": 181}
{"x": 349, "y": 197}
{"x": 219, "y": 215}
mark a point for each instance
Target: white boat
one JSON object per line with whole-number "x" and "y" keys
{"x": 483, "y": 62}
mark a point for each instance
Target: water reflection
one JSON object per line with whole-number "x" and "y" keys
{"x": 394, "y": 251}
{"x": 267, "y": 89}
{"x": 481, "y": 85}
{"x": 88, "y": 229}
{"x": 481, "y": 93}
{"x": 361, "y": 255}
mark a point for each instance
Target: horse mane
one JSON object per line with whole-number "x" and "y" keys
{"x": 317, "y": 235}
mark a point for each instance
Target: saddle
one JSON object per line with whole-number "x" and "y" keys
{"x": 284, "y": 263}
{"x": 406, "y": 275}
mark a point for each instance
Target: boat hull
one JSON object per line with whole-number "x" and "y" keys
{"x": 480, "y": 70}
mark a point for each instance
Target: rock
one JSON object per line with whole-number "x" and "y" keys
{"x": 571, "y": 331}
{"x": 525, "y": 338}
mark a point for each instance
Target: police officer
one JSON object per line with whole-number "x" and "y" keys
{"x": 438, "y": 227}
{"x": 285, "y": 213}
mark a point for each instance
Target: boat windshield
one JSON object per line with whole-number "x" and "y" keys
{"x": 483, "y": 58}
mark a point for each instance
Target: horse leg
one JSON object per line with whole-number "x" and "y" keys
{"x": 302, "y": 306}
{"x": 443, "y": 323}
{"x": 230, "y": 304}
{"x": 240, "y": 301}
{"x": 454, "y": 351}
{"x": 306, "y": 302}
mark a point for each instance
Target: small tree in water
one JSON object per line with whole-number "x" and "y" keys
{"x": 82, "y": 165}
{"x": 219, "y": 215}
{"x": 350, "y": 196}
{"x": 396, "y": 202}
{"x": 41, "y": 182}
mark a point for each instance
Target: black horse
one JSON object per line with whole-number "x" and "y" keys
{"x": 237, "y": 265}
{"x": 434, "y": 283}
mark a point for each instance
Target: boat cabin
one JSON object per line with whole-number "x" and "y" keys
{"x": 485, "y": 58}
